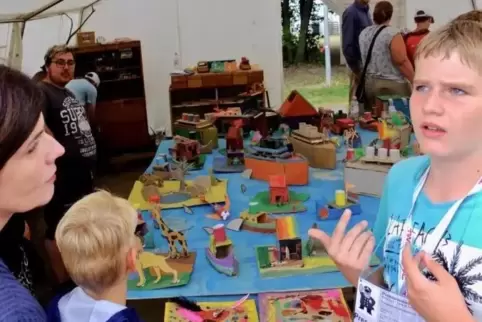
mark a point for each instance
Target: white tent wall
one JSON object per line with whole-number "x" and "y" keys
{"x": 197, "y": 30}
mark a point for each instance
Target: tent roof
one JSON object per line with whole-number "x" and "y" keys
{"x": 12, "y": 11}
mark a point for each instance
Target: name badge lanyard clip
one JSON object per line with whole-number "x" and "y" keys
{"x": 434, "y": 238}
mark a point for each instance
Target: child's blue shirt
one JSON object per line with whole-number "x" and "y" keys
{"x": 459, "y": 251}
{"x": 77, "y": 306}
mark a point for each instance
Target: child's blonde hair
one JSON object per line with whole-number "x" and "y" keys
{"x": 94, "y": 237}
{"x": 463, "y": 37}
{"x": 474, "y": 15}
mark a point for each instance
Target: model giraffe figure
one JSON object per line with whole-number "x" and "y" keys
{"x": 170, "y": 235}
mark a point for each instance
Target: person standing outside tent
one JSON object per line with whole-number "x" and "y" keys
{"x": 66, "y": 120}
{"x": 355, "y": 18}
{"x": 85, "y": 91}
{"x": 412, "y": 39}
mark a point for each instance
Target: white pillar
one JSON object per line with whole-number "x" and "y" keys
{"x": 326, "y": 30}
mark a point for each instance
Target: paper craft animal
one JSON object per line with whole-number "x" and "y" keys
{"x": 221, "y": 211}
{"x": 170, "y": 235}
{"x": 157, "y": 263}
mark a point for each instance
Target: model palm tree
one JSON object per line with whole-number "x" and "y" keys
{"x": 181, "y": 169}
{"x": 462, "y": 275}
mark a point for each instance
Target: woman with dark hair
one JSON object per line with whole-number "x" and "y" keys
{"x": 27, "y": 175}
{"x": 388, "y": 70}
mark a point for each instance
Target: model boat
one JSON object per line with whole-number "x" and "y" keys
{"x": 220, "y": 252}
{"x": 259, "y": 222}
{"x": 274, "y": 155}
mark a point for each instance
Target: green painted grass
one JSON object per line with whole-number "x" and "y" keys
{"x": 261, "y": 203}
{"x": 166, "y": 281}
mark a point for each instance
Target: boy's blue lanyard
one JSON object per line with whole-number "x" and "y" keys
{"x": 438, "y": 233}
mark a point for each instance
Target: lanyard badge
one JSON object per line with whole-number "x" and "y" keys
{"x": 438, "y": 233}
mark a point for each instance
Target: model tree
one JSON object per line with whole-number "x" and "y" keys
{"x": 181, "y": 169}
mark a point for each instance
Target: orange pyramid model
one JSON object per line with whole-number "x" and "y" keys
{"x": 296, "y": 105}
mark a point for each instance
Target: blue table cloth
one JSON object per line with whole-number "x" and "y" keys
{"x": 205, "y": 281}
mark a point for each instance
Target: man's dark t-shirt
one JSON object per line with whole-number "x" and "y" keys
{"x": 67, "y": 120}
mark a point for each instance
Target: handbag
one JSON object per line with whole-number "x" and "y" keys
{"x": 360, "y": 90}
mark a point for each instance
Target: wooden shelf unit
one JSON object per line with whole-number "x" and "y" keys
{"x": 121, "y": 104}
{"x": 201, "y": 93}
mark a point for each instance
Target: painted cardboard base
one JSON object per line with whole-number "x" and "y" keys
{"x": 321, "y": 263}
{"x": 261, "y": 203}
{"x": 245, "y": 313}
{"x": 220, "y": 166}
{"x": 319, "y": 305}
{"x": 215, "y": 194}
{"x": 184, "y": 267}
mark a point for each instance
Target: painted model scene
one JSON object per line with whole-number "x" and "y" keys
{"x": 184, "y": 310}
{"x": 322, "y": 305}
{"x": 278, "y": 199}
{"x": 168, "y": 187}
{"x": 334, "y": 209}
{"x": 220, "y": 253}
{"x": 188, "y": 150}
{"x": 156, "y": 270}
{"x": 291, "y": 256}
{"x": 192, "y": 126}
{"x": 233, "y": 159}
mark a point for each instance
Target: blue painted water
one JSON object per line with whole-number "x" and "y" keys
{"x": 205, "y": 281}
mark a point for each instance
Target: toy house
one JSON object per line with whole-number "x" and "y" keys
{"x": 315, "y": 146}
{"x": 290, "y": 245}
{"x": 296, "y": 109}
{"x": 187, "y": 150}
{"x": 278, "y": 190}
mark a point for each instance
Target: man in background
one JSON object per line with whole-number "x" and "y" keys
{"x": 412, "y": 39}
{"x": 85, "y": 91}
{"x": 355, "y": 18}
{"x": 66, "y": 120}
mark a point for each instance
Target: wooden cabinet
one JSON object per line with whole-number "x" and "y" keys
{"x": 202, "y": 93}
{"x": 121, "y": 105}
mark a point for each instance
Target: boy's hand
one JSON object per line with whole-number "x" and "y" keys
{"x": 425, "y": 295}
{"x": 350, "y": 251}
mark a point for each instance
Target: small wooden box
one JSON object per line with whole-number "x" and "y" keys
{"x": 86, "y": 38}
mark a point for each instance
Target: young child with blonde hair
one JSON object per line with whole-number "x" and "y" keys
{"x": 99, "y": 248}
{"x": 431, "y": 205}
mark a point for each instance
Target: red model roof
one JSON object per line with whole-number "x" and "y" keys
{"x": 277, "y": 181}
{"x": 233, "y": 133}
{"x": 296, "y": 105}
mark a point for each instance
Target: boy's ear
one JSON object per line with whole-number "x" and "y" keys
{"x": 132, "y": 259}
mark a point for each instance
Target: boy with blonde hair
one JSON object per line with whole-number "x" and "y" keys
{"x": 98, "y": 245}
{"x": 431, "y": 204}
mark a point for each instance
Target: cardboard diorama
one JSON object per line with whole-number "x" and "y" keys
{"x": 167, "y": 186}
{"x": 183, "y": 310}
{"x": 291, "y": 256}
{"x": 157, "y": 270}
{"x": 320, "y": 305}
{"x": 317, "y": 147}
{"x": 273, "y": 156}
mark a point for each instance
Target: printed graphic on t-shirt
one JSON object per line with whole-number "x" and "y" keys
{"x": 463, "y": 262}
{"x": 76, "y": 125}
